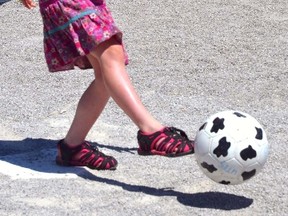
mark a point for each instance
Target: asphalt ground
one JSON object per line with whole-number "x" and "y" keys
{"x": 188, "y": 60}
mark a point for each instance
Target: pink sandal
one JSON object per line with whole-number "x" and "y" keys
{"x": 169, "y": 141}
{"x": 85, "y": 154}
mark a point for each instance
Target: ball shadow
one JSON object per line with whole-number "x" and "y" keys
{"x": 215, "y": 200}
{"x": 39, "y": 155}
{"x": 211, "y": 200}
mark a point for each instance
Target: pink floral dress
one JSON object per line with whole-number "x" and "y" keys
{"x": 72, "y": 28}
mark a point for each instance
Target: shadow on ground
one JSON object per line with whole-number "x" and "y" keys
{"x": 8, "y": 147}
{"x": 3, "y": 1}
{"x": 213, "y": 200}
{"x": 39, "y": 155}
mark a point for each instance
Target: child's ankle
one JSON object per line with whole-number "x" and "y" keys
{"x": 148, "y": 131}
{"x": 71, "y": 144}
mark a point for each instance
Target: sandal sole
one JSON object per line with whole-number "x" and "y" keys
{"x": 145, "y": 153}
{"x": 61, "y": 162}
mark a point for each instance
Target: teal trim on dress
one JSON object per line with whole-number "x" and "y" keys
{"x": 65, "y": 25}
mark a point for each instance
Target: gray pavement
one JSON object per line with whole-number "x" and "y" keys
{"x": 188, "y": 60}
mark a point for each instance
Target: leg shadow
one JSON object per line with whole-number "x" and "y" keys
{"x": 39, "y": 155}
{"x": 3, "y": 1}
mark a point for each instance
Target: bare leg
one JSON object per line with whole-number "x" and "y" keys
{"x": 89, "y": 108}
{"x": 73, "y": 151}
{"x": 111, "y": 79}
{"x": 111, "y": 57}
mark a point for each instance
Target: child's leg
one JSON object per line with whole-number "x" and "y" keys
{"x": 153, "y": 137}
{"x": 112, "y": 79}
{"x": 74, "y": 150}
{"x": 111, "y": 57}
{"x": 89, "y": 108}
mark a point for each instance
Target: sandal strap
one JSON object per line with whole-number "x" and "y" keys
{"x": 94, "y": 157}
{"x": 170, "y": 141}
{"x": 86, "y": 154}
{"x": 176, "y": 139}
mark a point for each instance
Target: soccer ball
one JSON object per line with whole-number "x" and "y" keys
{"x": 231, "y": 147}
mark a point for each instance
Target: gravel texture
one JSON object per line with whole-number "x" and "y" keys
{"x": 188, "y": 60}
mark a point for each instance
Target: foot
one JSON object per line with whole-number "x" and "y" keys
{"x": 85, "y": 154}
{"x": 169, "y": 141}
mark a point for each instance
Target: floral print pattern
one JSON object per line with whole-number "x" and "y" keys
{"x": 73, "y": 28}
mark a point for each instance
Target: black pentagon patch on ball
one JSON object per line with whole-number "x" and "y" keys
{"x": 218, "y": 124}
{"x": 203, "y": 126}
{"x": 248, "y": 153}
{"x": 222, "y": 148}
{"x": 248, "y": 175}
{"x": 238, "y": 114}
{"x": 209, "y": 167}
{"x": 259, "y": 134}
{"x": 225, "y": 182}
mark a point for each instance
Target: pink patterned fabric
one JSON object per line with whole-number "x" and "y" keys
{"x": 73, "y": 28}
